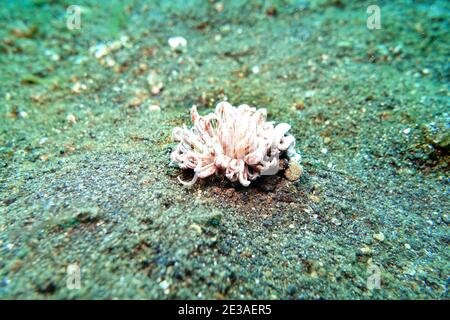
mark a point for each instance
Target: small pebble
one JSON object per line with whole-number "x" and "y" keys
{"x": 164, "y": 285}
{"x": 294, "y": 171}
{"x": 87, "y": 214}
{"x": 219, "y": 7}
{"x": 365, "y": 250}
{"x": 336, "y": 221}
{"x": 154, "y": 82}
{"x": 78, "y": 87}
{"x": 110, "y": 62}
{"x": 155, "y": 90}
{"x": 71, "y": 118}
{"x": 379, "y": 236}
{"x": 196, "y": 228}
{"x": 100, "y": 50}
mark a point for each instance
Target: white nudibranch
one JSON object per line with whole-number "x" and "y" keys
{"x": 235, "y": 141}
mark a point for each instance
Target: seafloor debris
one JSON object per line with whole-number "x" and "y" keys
{"x": 176, "y": 42}
{"x": 235, "y": 141}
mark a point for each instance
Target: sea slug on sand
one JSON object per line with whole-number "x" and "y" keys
{"x": 235, "y": 141}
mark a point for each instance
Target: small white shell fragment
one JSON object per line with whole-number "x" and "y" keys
{"x": 71, "y": 118}
{"x": 309, "y": 93}
{"x": 255, "y": 69}
{"x": 100, "y": 50}
{"x": 219, "y": 7}
{"x": 124, "y": 41}
{"x": 154, "y": 108}
{"x": 164, "y": 285}
{"x": 175, "y": 42}
{"x": 78, "y": 87}
{"x": 294, "y": 155}
{"x": 110, "y": 62}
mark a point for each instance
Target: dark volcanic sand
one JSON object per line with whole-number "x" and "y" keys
{"x": 84, "y": 161}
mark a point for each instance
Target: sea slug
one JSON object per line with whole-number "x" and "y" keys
{"x": 235, "y": 141}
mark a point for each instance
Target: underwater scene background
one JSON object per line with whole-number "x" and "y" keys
{"x": 91, "y": 208}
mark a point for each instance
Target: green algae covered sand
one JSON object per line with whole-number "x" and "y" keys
{"x": 86, "y": 118}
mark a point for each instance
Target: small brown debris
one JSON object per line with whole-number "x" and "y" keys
{"x": 271, "y": 11}
{"x": 202, "y": 25}
{"x": 299, "y": 105}
{"x": 294, "y": 171}
{"x": 24, "y": 32}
